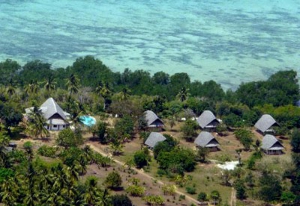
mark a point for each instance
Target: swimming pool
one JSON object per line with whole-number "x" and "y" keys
{"x": 88, "y": 120}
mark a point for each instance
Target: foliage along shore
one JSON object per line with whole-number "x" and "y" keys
{"x": 88, "y": 86}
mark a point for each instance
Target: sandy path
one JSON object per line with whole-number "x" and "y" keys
{"x": 189, "y": 198}
{"x": 233, "y": 197}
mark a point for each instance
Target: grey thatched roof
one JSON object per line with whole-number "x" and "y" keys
{"x": 206, "y": 139}
{"x": 151, "y": 117}
{"x": 50, "y": 107}
{"x": 270, "y": 142}
{"x": 206, "y": 118}
{"x": 265, "y": 122}
{"x": 154, "y": 138}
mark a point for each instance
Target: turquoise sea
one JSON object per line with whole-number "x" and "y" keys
{"x": 229, "y": 41}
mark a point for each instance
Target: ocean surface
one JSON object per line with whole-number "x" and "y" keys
{"x": 229, "y": 41}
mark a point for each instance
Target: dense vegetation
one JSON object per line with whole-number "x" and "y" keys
{"x": 88, "y": 86}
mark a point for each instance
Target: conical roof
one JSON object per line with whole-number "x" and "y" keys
{"x": 50, "y": 107}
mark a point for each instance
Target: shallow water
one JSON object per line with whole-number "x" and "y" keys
{"x": 228, "y": 41}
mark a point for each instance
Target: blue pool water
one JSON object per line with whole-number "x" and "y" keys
{"x": 88, "y": 120}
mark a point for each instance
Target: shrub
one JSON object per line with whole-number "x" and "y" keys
{"x": 113, "y": 180}
{"x": 47, "y": 151}
{"x": 141, "y": 158}
{"x": 202, "y": 196}
{"x": 154, "y": 200}
{"x": 215, "y": 196}
{"x": 169, "y": 189}
{"x": 68, "y": 138}
{"x": 240, "y": 189}
{"x": 123, "y": 200}
{"x": 191, "y": 190}
{"x": 189, "y": 130}
{"x": 70, "y": 155}
{"x": 224, "y": 158}
{"x": 27, "y": 145}
{"x": 136, "y": 190}
{"x": 245, "y": 137}
{"x": 5, "y": 174}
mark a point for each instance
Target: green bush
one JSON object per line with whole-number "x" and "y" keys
{"x": 154, "y": 200}
{"x": 123, "y": 200}
{"x": 136, "y": 190}
{"x": 47, "y": 151}
{"x": 223, "y": 158}
{"x": 202, "y": 196}
{"x": 113, "y": 180}
{"x": 5, "y": 174}
{"x": 141, "y": 158}
{"x": 191, "y": 190}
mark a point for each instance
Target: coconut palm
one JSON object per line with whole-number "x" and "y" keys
{"x": 183, "y": 94}
{"x": 72, "y": 84}
{"x": 4, "y": 141}
{"x": 32, "y": 87}
{"x": 9, "y": 191}
{"x": 88, "y": 154}
{"x": 11, "y": 89}
{"x": 35, "y": 124}
{"x": 50, "y": 84}
{"x": 125, "y": 93}
{"x": 104, "y": 91}
{"x": 54, "y": 198}
{"x": 92, "y": 196}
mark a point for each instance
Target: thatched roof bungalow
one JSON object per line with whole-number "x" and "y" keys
{"x": 207, "y": 120}
{"x": 206, "y": 139}
{"x": 265, "y": 124}
{"x": 271, "y": 145}
{"x": 152, "y": 120}
{"x": 56, "y": 118}
{"x": 153, "y": 139}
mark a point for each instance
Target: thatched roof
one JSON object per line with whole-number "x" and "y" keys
{"x": 265, "y": 122}
{"x": 206, "y": 139}
{"x": 151, "y": 117}
{"x": 154, "y": 138}
{"x": 50, "y": 107}
{"x": 206, "y": 118}
{"x": 270, "y": 142}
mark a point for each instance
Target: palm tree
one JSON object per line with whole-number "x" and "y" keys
{"x": 105, "y": 199}
{"x": 125, "y": 93}
{"x": 32, "y": 87}
{"x": 72, "y": 84}
{"x": 10, "y": 90}
{"x": 50, "y": 84}
{"x": 116, "y": 147}
{"x": 104, "y": 91}
{"x": 35, "y": 124}
{"x": 88, "y": 154}
{"x": 9, "y": 191}
{"x": 4, "y": 141}
{"x": 92, "y": 195}
{"x": 75, "y": 109}
{"x": 54, "y": 198}
{"x": 183, "y": 94}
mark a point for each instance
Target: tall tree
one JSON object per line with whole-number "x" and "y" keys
{"x": 72, "y": 84}
{"x": 32, "y": 87}
{"x": 103, "y": 90}
{"x": 183, "y": 94}
{"x": 50, "y": 84}
{"x": 35, "y": 125}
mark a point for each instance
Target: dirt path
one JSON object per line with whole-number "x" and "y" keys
{"x": 191, "y": 199}
{"x": 233, "y": 197}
